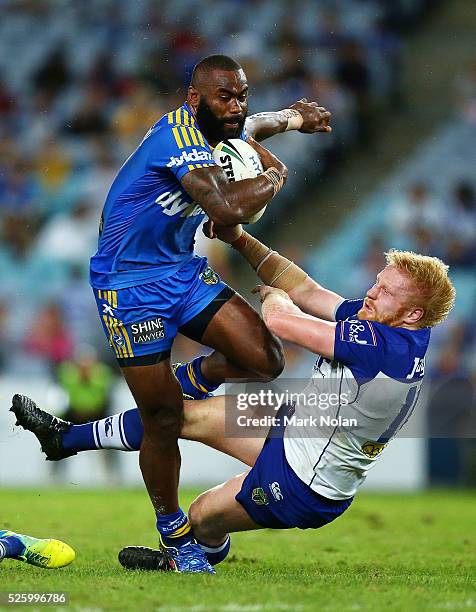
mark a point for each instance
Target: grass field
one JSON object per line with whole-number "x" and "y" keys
{"x": 388, "y": 552}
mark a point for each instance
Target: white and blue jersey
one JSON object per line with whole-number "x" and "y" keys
{"x": 376, "y": 376}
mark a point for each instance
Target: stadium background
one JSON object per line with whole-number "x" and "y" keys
{"x": 80, "y": 83}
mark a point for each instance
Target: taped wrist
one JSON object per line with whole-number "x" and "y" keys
{"x": 272, "y": 268}
{"x": 251, "y": 248}
{"x": 294, "y": 118}
{"x": 275, "y": 178}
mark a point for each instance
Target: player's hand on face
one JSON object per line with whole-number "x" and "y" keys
{"x": 227, "y": 234}
{"x": 268, "y": 159}
{"x": 315, "y": 118}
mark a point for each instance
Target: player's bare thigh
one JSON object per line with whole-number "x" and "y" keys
{"x": 204, "y": 421}
{"x": 216, "y": 513}
{"x": 239, "y": 335}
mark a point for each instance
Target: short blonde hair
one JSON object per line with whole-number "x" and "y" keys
{"x": 430, "y": 276}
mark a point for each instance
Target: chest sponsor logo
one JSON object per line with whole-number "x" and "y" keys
{"x": 148, "y": 331}
{"x": 176, "y": 202}
{"x": 372, "y": 449}
{"x": 418, "y": 368}
{"x": 189, "y": 156}
{"x": 359, "y": 332}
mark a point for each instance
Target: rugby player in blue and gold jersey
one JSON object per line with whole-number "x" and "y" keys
{"x": 149, "y": 285}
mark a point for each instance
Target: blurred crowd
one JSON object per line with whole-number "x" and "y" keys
{"x": 79, "y": 95}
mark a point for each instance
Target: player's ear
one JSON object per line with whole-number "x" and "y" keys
{"x": 414, "y": 315}
{"x": 193, "y": 96}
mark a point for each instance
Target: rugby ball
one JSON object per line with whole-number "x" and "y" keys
{"x": 239, "y": 161}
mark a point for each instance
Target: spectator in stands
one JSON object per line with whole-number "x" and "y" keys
{"x": 372, "y": 261}
{"x": 460, "y": 226}
{"x": 18, "y": 232}
{"x": 91, "y": 118}
{"x": 88, "y": 385}
{"x": 70, "y": 238}
{"x": 466, "y": 94}
{"x": 353, "y": 72}
{"x": 54, "y": 75}
{"x": 417, "y": 209}
{"x": 49, "y": 337}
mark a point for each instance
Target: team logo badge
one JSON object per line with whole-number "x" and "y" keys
{"x": 259, "y": 497}
{"x": 209, "y": 276}
{"x": 118, "y": 340}
{"x": 372, "y": 449}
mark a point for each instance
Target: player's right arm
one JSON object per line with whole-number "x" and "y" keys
{"x": 228, "y": 204}
{"x": 315, "y": 299}
{"x": 281, "y": 273}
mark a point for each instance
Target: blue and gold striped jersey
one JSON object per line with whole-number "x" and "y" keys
{"x": 149, "y": 221}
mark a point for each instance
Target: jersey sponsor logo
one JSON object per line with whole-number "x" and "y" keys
{"x": 358, "y": 332}
{"x": 276, "y": 491}
{"x": 209, "y": 276}
{"x": 148, "y": 331}
{"x": 189, "y": 156}
{"x": 176, "y": 202}
{"x": 372, "y": 449}
{"x": 260, "y": 497}
{"x": 418, "y": 368}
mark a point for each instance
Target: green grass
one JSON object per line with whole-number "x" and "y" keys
{"x": 388, "y": 552}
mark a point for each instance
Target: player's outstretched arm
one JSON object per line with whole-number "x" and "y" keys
{"x": 307, "y": 117}
{"x": 279, "y": 272}
{"x": 228, "y": 204}
{"x": 285, "y": 320}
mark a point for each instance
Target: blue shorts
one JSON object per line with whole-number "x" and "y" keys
{"x": 144, "y": 320}
{"x": 275, "y": 497}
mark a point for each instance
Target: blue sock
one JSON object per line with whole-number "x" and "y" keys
{"x": 10, "y": 547}
{"x": 216, "y": 554}
{"x": 79, "y": 437}
{"x": 175, "y": 528}
{"x": 123, "y": 431}
{"x": 192, "y": 380}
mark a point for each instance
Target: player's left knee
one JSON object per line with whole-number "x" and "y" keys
{"x": 195, "y": 516}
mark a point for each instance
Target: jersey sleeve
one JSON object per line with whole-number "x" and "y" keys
{"x": 347, "y": 308}
{"x": 180, "y": 149}
{"x": 361, "y": 345}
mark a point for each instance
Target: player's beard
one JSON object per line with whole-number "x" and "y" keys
{"x": 214, "y": 128}
{"x": 391, "y": 319}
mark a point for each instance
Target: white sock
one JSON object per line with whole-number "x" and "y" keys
{"x": 109, "y": 433}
